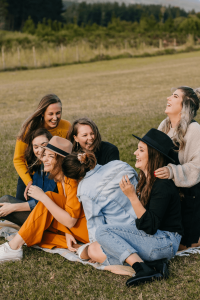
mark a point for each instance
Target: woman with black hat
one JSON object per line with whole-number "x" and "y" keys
{"x": 184, "y": 131}
{"x": 157, "y": 230}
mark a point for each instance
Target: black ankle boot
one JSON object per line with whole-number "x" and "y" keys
{"x": 160, "y": 265}
{"x": 143, "y": 274}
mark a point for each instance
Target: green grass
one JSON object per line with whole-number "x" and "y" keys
{"x": 122, "y": 96}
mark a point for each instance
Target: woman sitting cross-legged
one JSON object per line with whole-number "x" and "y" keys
{"x": 16, "y": 210}
{"x": 156, "y": 233}
{"x": 57, "y": 219}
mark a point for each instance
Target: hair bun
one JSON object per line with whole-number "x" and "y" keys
{"x": 82, "y": 157}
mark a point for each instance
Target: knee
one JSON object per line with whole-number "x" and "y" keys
{"x": 5, "y": 198}
{"x": 93, "y": 251}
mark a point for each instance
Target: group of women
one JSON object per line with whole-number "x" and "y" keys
{"x": 72, "y": 187}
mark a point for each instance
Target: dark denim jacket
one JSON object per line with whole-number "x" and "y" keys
{"x": 40, "y": 179}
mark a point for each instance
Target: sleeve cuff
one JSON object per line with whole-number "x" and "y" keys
{"x": 171, "y": 175}
{"x": 32, "y": 203}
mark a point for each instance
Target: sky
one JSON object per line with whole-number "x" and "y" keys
{"x": 188, "y": 5}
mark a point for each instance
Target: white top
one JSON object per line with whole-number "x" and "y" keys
{"x": 188, "y": 173}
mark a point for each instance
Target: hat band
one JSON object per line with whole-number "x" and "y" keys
{"x": 55, "y": 149}
{"x": 154, "y": 144}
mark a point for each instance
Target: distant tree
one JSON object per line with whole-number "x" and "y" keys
{"x": 20, "y": 10}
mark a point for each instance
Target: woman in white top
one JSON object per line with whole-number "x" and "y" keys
{"x": 180, "y": 126}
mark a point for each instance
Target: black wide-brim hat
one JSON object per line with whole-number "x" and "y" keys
{"x": 159, "y": 141}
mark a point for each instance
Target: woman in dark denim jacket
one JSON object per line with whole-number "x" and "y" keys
{"x": 16, "y": 210}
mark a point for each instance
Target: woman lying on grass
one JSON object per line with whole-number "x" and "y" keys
{"x": 47, "y": 115}
{"x": 16, "y": 210}
{"x": 157, "y": 230}
{"x": 57, "y": 218}
{"x": 184, "y": 131}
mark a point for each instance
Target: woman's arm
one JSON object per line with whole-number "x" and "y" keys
{"x": 19, "y": 162}
{"x": 57, "y": 212}
{"x": 187, "y": 174}
{"x": 8, "y": 208}
{"x": 129, "y": 190}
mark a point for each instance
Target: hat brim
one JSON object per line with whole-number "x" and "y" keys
{"x": 56, "y": 150}
{"x": 149, "y": 144}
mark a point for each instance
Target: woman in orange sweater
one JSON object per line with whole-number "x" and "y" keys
{"x": 47, "y": 115}
{"x": 58, "y": 220}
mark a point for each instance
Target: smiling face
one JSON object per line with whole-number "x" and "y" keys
{"x": 38, "y": 143}
{"x": 174, "y": 103}
{"x": 85, "y": 137}
{"x": 141, "y": 157}
{"x": 49, "y": 160}
{"x": 52, "y": 115}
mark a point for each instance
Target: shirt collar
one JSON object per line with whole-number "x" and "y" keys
{"x": 91, "y": 172}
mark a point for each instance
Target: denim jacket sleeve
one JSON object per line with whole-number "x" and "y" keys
{"x": 93, "y": 215}
{"x": 32, "y": 203}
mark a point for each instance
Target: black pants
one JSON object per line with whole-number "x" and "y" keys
{"x": 18, "y": 217}
{"x": 20, "y": 189}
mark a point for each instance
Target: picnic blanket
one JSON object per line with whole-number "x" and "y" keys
{"x": 8, "y": 230}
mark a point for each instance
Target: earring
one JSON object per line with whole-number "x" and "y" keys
{"x": 77, "y": 144}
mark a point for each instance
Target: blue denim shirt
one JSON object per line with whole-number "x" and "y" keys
{"x": 103, "y": 200}
{"x": 41, "y": 180}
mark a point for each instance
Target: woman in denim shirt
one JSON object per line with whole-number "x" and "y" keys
{"x": 16, "y": 210}
{"x": 99, "y": 192}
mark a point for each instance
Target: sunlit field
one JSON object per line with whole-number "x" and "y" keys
{"x": 123, "y": 97}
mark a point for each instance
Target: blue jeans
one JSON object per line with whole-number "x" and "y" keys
{"x": 20, "y": 189}
{"x": 119, "y": 242}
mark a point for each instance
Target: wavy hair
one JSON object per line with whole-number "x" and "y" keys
{"x": 190, "y": 105}
{"x": 35, "y": 120}
{"x": 74, "y": 131}
{"x": 156, "y": 160}
{"x": 32, "y": 161}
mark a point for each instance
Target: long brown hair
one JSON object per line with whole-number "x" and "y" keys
{"x": 76, "y": 165}
{"x": 31, "y": 159}
{"x": 74, "y": 131}
{"x": 35, "y": 120}
{"x": 155, "y": 160}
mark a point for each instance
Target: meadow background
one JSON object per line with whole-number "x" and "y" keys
{"x": 122, "y": 96}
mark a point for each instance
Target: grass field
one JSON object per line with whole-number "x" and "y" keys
{"x": 123, "y": 97}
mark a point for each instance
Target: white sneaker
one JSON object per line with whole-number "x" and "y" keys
{"x": 7, "y": 253}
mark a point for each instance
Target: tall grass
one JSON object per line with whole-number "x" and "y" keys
{"x": 46, "y": 55}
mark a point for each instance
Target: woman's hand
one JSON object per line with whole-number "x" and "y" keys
{"x": 36, "y": 193}
{"x": 26, "y": 190}
{"x": 70, "y": 242}
{"x": 6, "y": 209}
{"x": 162, "y": 173}
{"x": 127, "y": 187}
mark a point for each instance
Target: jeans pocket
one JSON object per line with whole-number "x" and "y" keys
{"x": 162, "y": 252}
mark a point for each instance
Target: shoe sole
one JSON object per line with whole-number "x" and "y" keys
{"x": 13, "y": 259}
{"x": 139, "y": 280}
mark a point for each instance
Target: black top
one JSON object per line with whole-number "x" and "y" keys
{"x": 163, "y": 211}
{"x": 107, "y": 152}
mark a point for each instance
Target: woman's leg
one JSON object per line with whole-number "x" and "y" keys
{"x": 122, "y": 241}
{"x": 20, "y": 189}
{"x": 16, "y": 217}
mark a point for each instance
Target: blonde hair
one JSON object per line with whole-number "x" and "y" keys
{"x": 190, "y": 105}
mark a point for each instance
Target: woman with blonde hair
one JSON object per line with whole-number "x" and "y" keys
{"x": 184, "y": 131}
{"x": 47, "y": 115}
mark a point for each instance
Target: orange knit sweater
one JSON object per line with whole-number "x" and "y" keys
{"x": 19, "y": 160}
